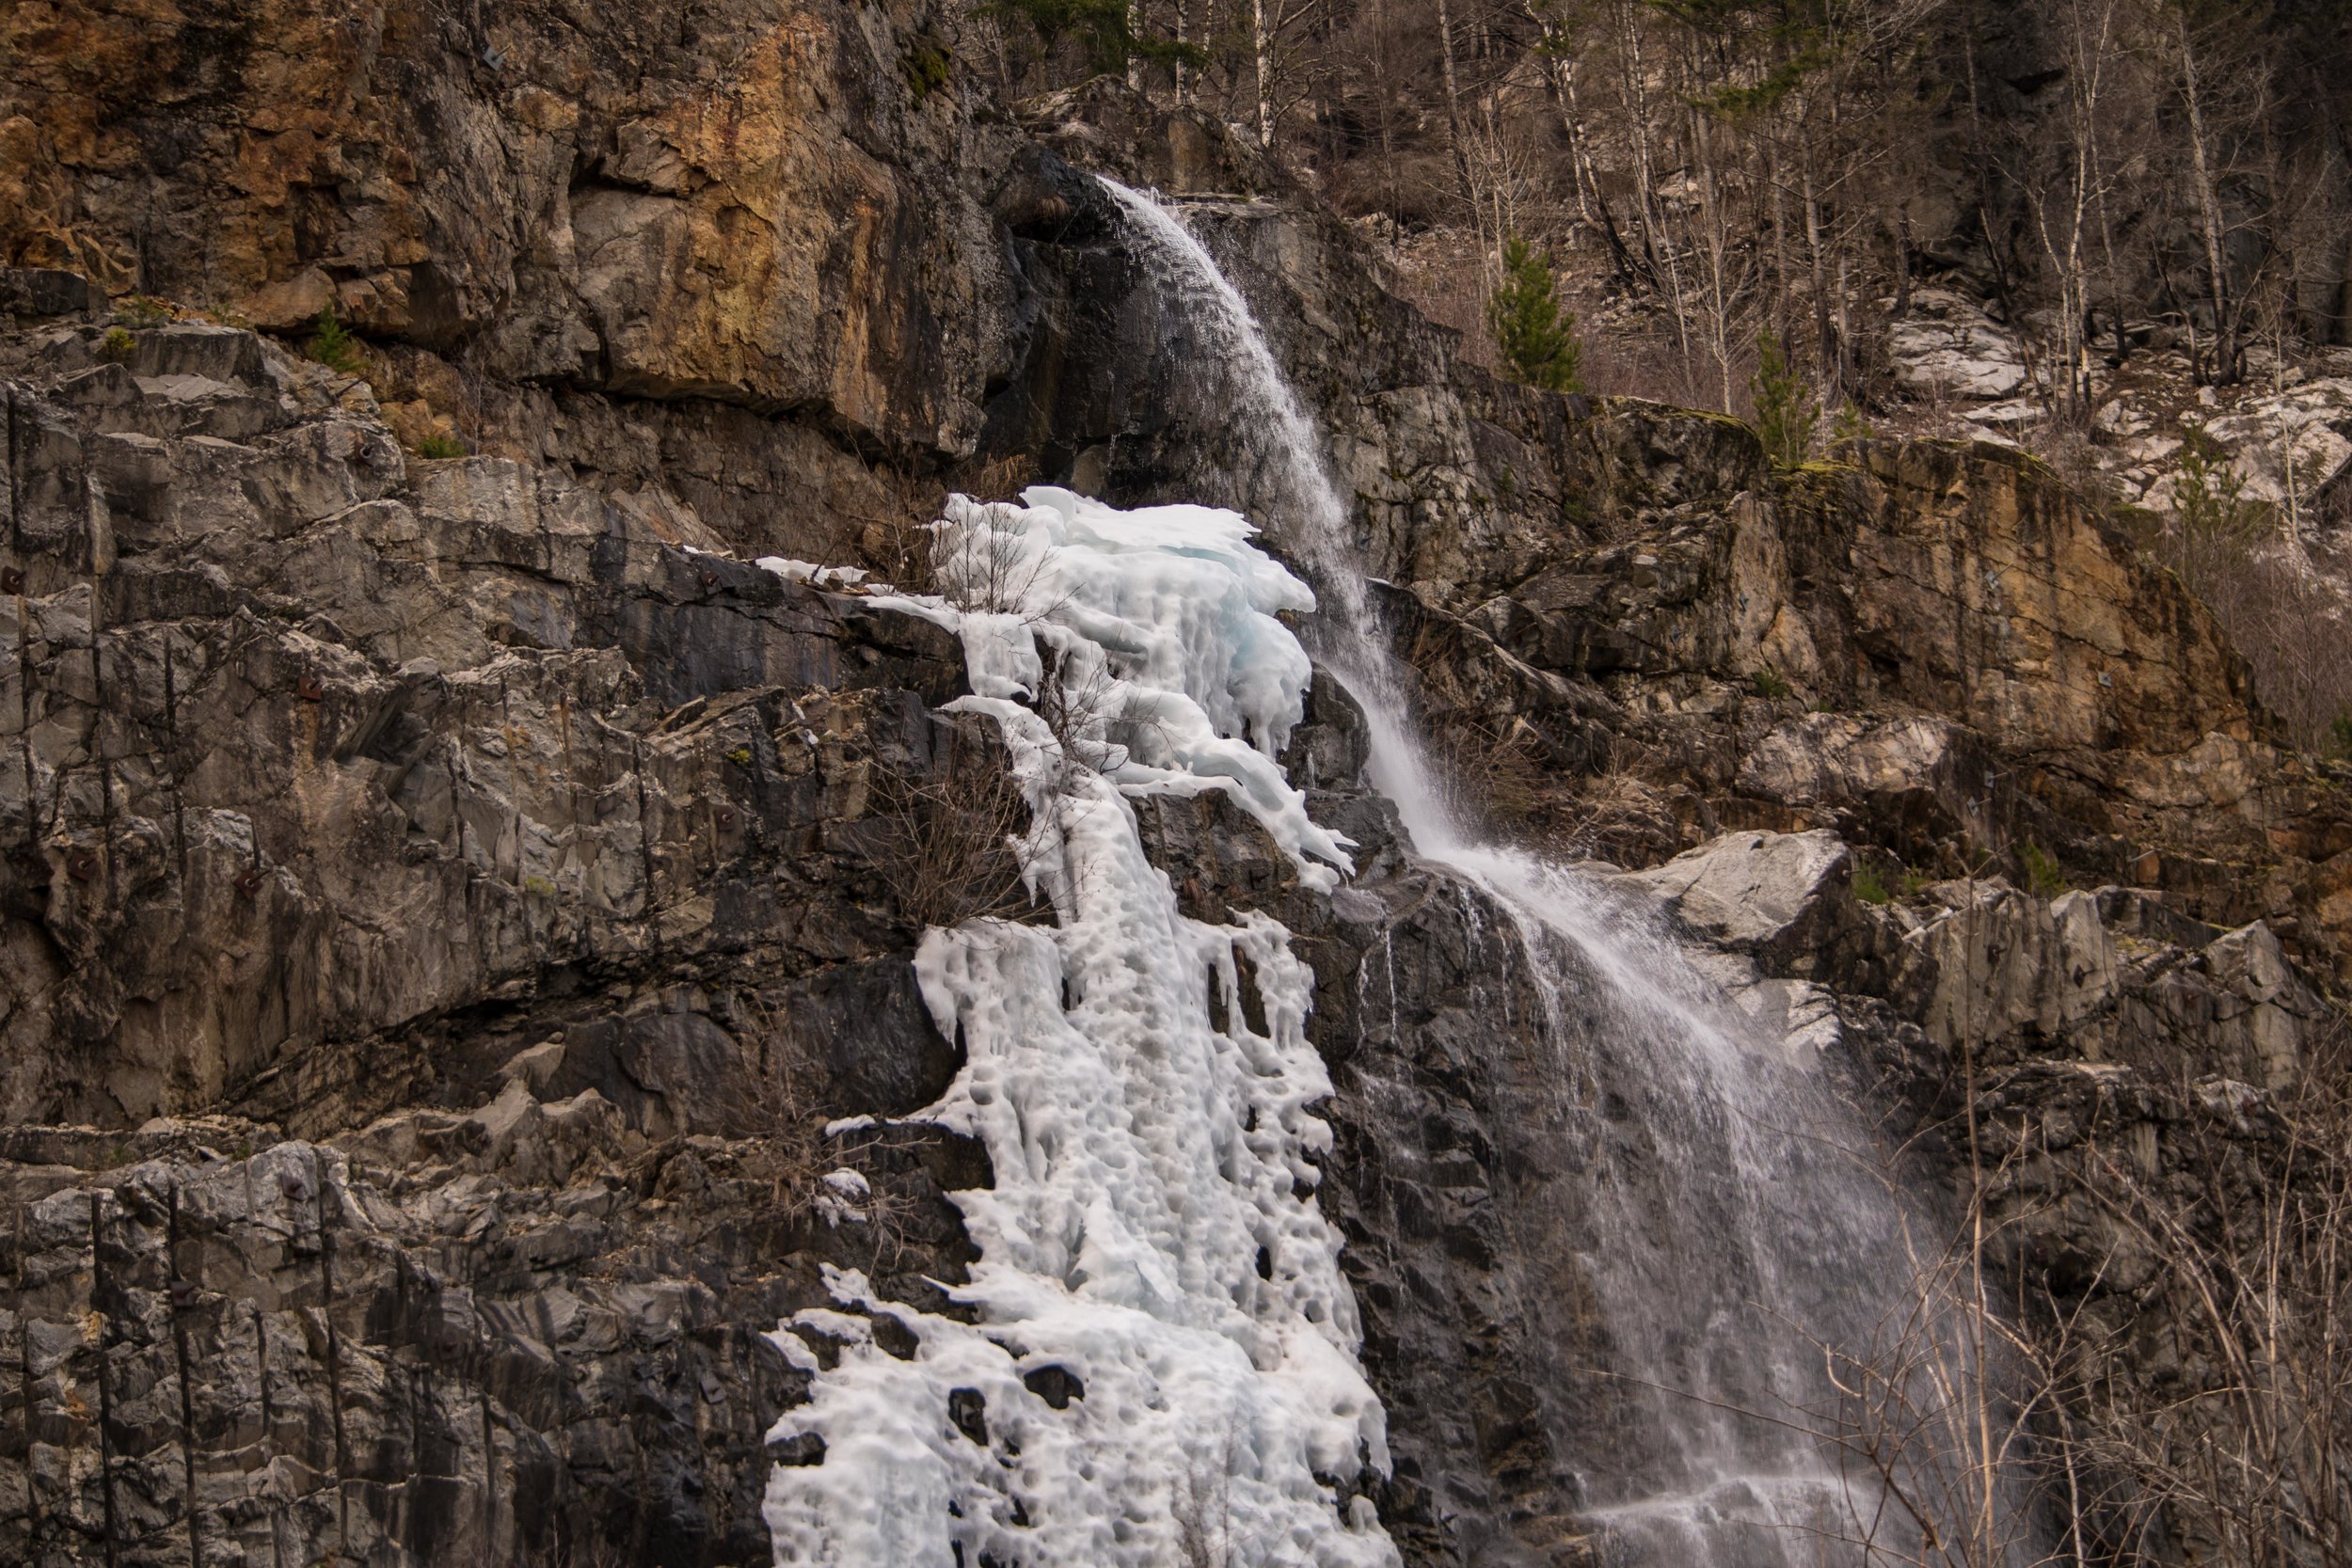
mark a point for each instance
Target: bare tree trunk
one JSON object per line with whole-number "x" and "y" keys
{"x": 1825, "y": 332}
{"x": 1560, "y": 73}
{"x": 1265, "y": 42}
{"x": 1780, "y": 248}
{"x": 1637, "y": 102}
{"x": 1385, "y": 103}
{"x": 2208, "y": 209}
{"x": 1844, "y": 334}
{"x": 1184, "y": 23}
{"x": 1453, "y": 107}
{"x": 2342, "y": 332}
{"x": 2115, "y": 279}
{"x": 1902, "y": 263}
{"x": 1135, "y": 31}
{"x": 2088, "y": 79}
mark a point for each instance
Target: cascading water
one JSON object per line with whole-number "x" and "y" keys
{"x": 1731, "y": 1232}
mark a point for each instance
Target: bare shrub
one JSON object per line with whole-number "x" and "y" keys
{"x": 1090, "y": 717}
{"x": 2280, "y": 612}
{"x": 995, "y": 479}
{"x": 947, "y": 848}
{"x": 2135, "y": 1346}
{"x": 899, "y": 549}
{"x": 1443, "y": 276}
{"x": 1491, "y": 771}
{"x": 986, "y": 570}
{"x": 901, "y": 542}
{"x": 792, "y": 1149}
{"x": 2069, "y": 450}
{"x": 2290, "y": 624}
{"x": 1931, "y": 1439}
{"x": 778, "y": 1108}
{"x": 2211, "y": 1400}
{"x": 1203, "y": 1508}
{"x": 1637, "y": 363}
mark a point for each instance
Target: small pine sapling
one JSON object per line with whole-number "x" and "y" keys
{"x": 1535, "y": 337}
{"x": 333, "y": 345}
{"x": 2044, "y": 877}
{"x": 1786, "y": 414}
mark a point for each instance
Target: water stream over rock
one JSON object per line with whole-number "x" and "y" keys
{"x": 1737, "y": 1222}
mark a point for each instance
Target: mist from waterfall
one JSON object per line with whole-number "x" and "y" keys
{"x": 1738, "y": 1222}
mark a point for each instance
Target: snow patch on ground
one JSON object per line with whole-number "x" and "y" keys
{"x": 809, "y": 572}
{"x": 1163, "y": 1365}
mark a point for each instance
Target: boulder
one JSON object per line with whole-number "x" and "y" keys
{"x": 1783, "y": 898}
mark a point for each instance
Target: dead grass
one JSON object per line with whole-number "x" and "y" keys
{"x": 2279, "y": 601}
{"x": 2282, "y": 602}
{"x": 1491, "y": 771}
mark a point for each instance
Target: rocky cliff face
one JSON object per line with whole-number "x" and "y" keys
{"x": 445, "y": 898}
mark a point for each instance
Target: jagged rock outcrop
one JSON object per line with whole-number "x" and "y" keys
{"x": 513, "y": 883}
{"x": 768, "y": 203}
{"x": 1931, "y": 647}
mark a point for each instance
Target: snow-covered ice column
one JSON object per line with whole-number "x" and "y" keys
{"x": 1152, "y": 1231}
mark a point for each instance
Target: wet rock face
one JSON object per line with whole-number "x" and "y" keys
{"x": 1453, "y": 1174}
{"x": 526, "y": 1334}
{"x": 312, "y": 743}
{"x": 448, "y": 895}
{"x": 1930, "y": 647}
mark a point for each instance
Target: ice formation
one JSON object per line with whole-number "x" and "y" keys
{"x": 1150, "y": 1255}
{"x": 1152, "y": 636}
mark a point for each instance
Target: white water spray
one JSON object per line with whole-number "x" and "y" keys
{"x": 1160, "y": 1365}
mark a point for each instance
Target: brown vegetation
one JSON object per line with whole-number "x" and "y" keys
{"x": 947, "y": 848}
{"x": 2133, "y": 1346}
{"x": 1796, "y": 165}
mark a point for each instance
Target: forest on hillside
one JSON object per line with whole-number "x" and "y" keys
{"x": 2114, "y": 171}
{"x": 2129, "y": 220}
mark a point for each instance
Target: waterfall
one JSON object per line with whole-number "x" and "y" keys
{"x": 1731, "y": 1232}
{"x": 1154, "y": 1359}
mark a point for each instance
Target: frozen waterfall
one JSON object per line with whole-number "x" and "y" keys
{"x": 1151, "y": 1234}
{"x": 1151, "y": 1254}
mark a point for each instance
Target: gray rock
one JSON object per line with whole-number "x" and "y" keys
{"x": 1785, "y": 899}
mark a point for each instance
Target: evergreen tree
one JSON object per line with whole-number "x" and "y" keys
{"x": 1536, "y": 338}
{"x": 334, "y": 347}
{"x": 1786, "y": 414}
